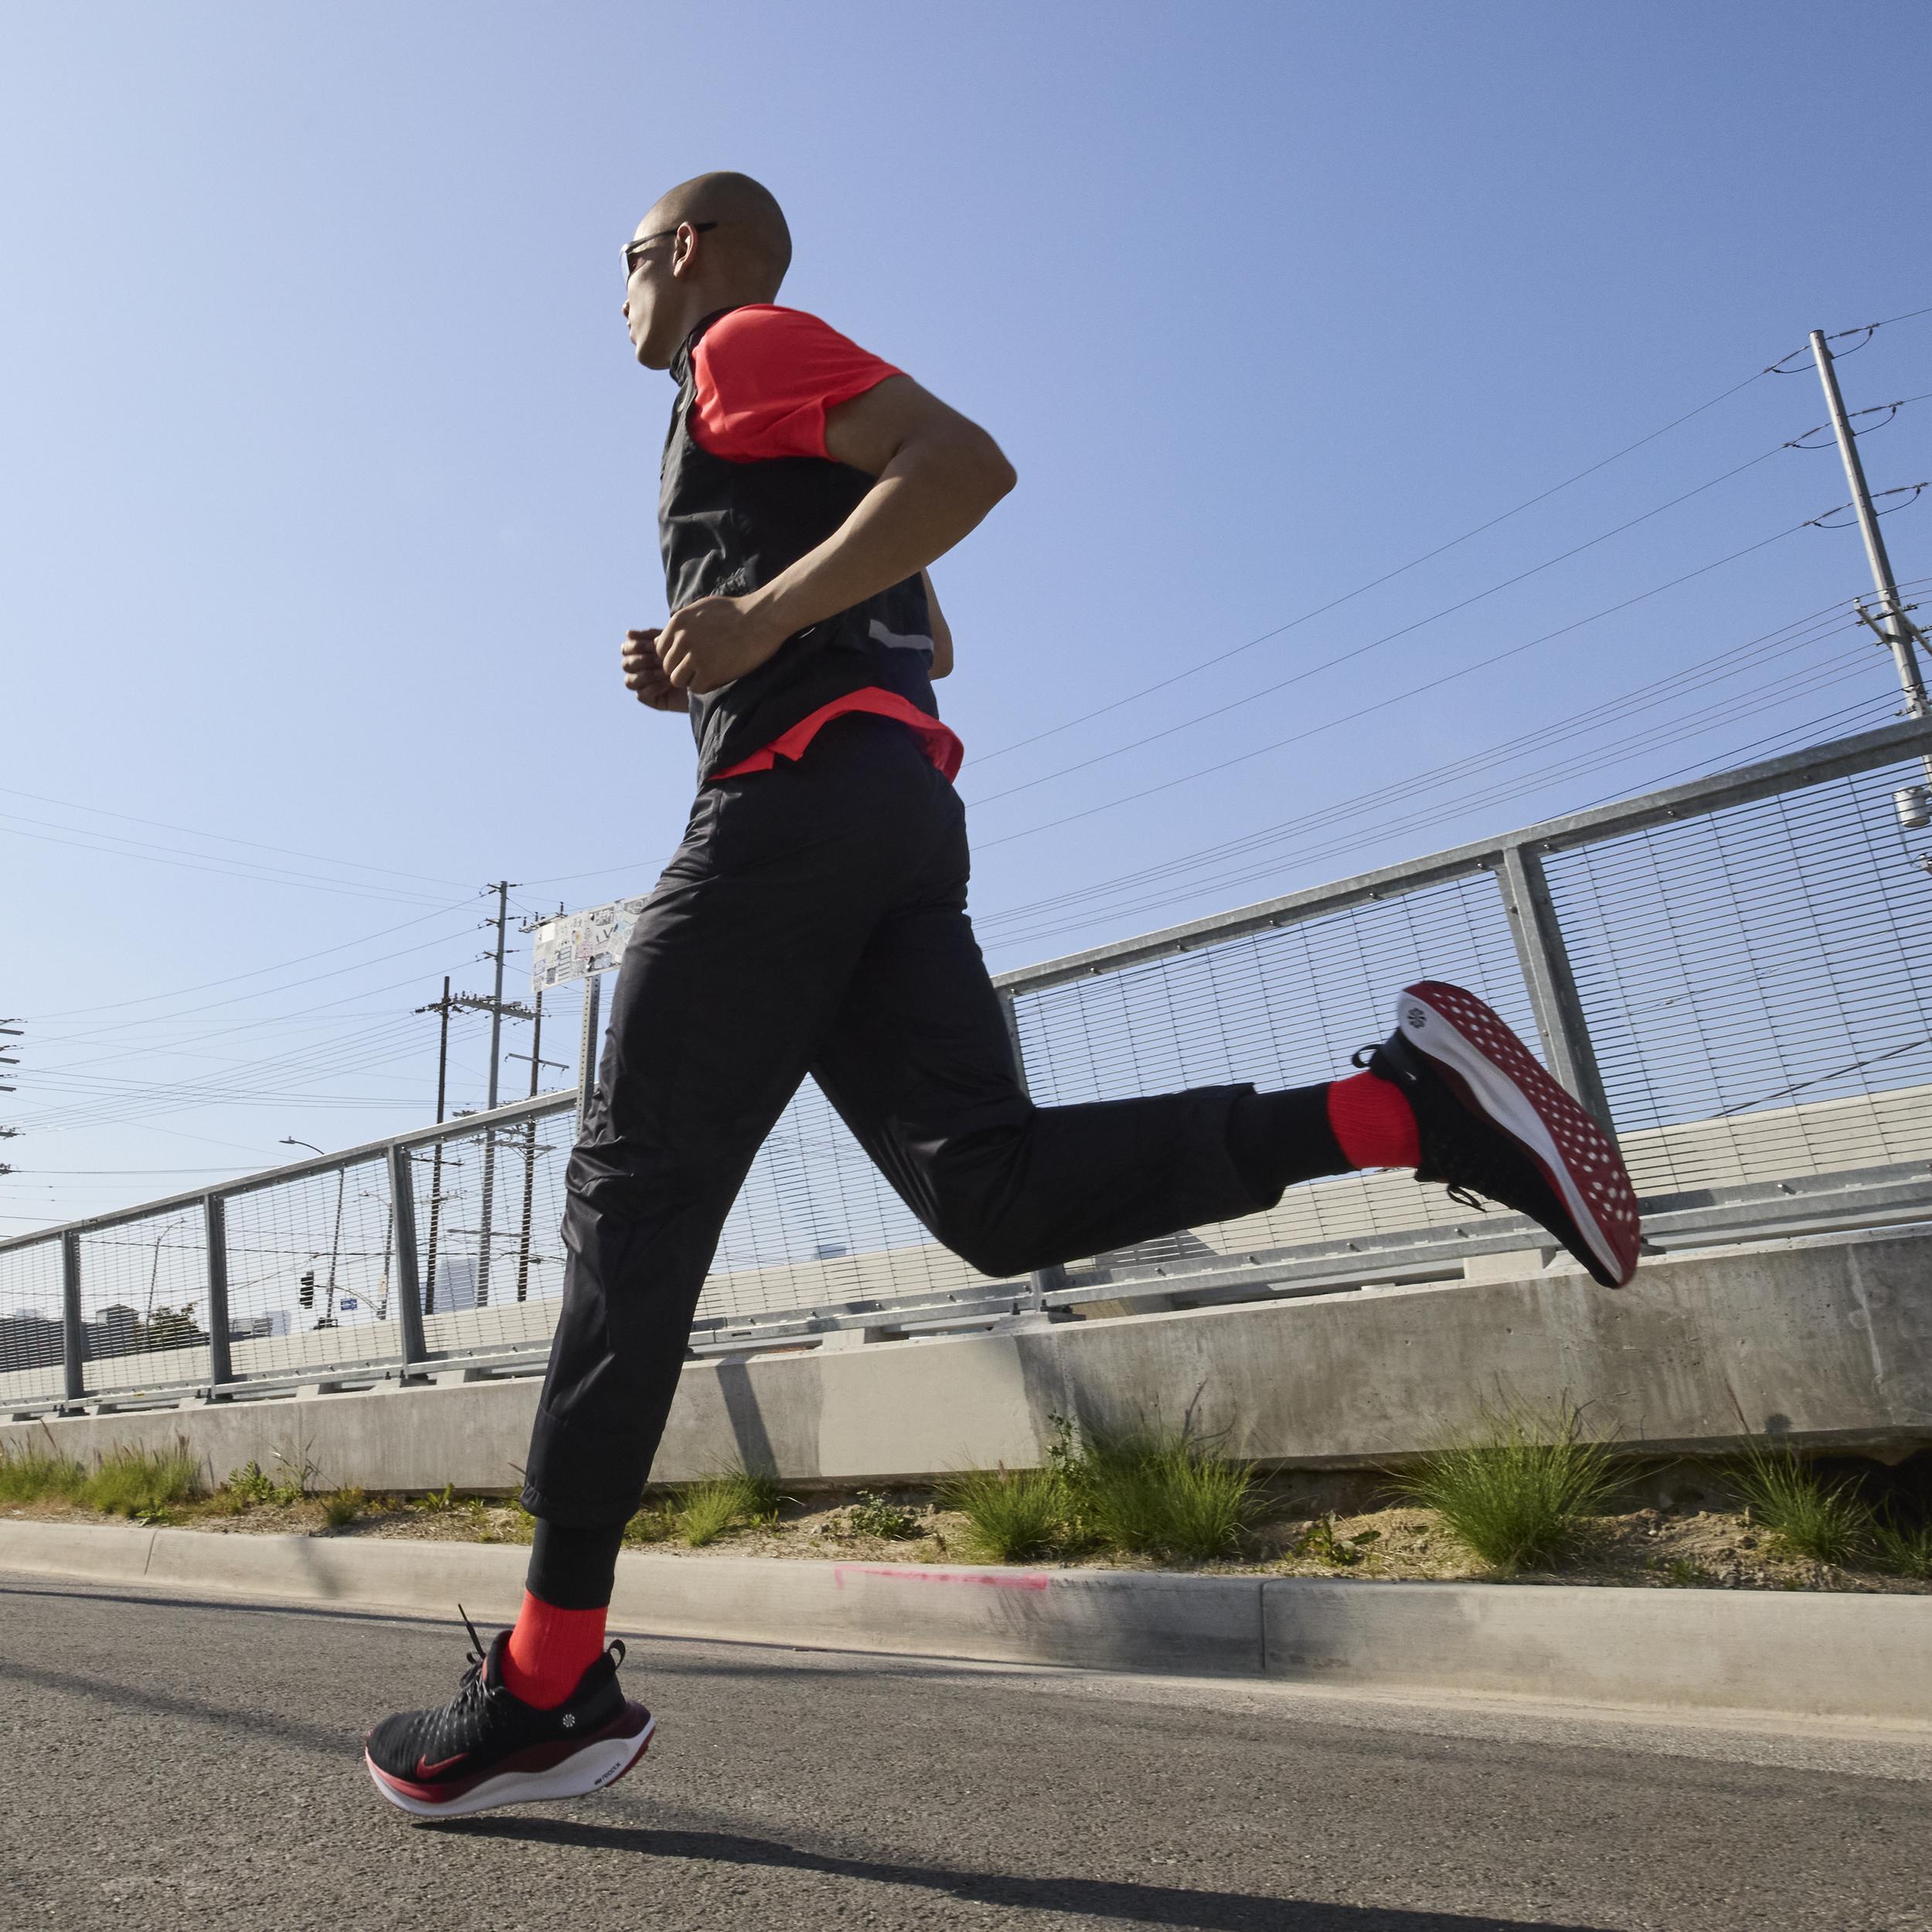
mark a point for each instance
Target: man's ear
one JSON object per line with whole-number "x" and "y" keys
{"x": 684, "y": 250}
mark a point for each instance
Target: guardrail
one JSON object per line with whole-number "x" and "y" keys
{"x": 1729, "y": 970}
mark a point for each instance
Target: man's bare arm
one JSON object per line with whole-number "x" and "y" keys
{"x": 938, "y": 475}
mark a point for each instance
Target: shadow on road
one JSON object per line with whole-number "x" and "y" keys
{"x": 1100, "y": 1898}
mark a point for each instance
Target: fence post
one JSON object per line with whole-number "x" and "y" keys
{"x": 1052, "y": 1276}
{"x": 71, "y": 1335}
{"x": 220, "y": 1369}
{"x": 408, "y": 1286}
{"x": 1545, "y": 961}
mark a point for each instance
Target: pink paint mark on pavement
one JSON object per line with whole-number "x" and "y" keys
{"x": 984, "y": 1579}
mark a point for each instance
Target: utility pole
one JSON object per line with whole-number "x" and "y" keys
{"x": 535, "y": 1056}
{"x": 501, "y": 923}
{"x": 12, "y": 1027}
{"x": 441, "y": 1006}
{"x": 1897, "y": 632}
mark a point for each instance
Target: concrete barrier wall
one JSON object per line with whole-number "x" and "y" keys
{"x": 1824, "y": 1341}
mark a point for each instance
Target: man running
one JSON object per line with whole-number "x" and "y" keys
{"x": 813, "y": 921}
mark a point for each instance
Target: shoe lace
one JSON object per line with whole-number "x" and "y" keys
{"x": 474, "y": 1693}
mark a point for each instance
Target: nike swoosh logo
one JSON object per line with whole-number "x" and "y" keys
{"x": 425, "y": 1769}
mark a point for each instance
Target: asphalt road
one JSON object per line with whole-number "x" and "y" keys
{"x": 172, "y": 1763}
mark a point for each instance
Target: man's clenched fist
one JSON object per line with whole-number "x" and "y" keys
{"x": 644, "y": 675}
{"x": 709, "y": 643}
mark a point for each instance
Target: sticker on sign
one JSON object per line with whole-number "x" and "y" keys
{"x": 578, "y": 945}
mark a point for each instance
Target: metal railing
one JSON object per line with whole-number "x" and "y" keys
{"x": 1728, "y": 970}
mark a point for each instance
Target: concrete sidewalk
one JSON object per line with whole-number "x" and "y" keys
{"x": 1819, "y": 1655}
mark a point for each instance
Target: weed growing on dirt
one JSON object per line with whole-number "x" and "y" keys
{"x": 38, "y": 1475}
{"x": 1012, "y": 1516}
{"x": 1682, "y": 1573}
{"x": 1320, "y": 1541}
{"x": 438, "y": 1502}
{"x": 1810, "y": 1515}
{"x": 656, "y": 1522}
{"x": 251, "y": 1486}
{"x": 141, "y": 1483}
{"x": 1518, "y": 1493}
{"x": 343, "y": 1506}
{"x": 873, "y": 1515}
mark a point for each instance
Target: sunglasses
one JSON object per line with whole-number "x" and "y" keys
{"x": 633, "y": 250}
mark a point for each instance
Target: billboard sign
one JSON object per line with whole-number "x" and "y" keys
{"x": 579, "y": 945}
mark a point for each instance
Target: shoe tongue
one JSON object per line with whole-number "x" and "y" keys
{"x": 493, "y": 1659}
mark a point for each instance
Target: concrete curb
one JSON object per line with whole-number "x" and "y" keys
{"x": 1776, "y": 1653}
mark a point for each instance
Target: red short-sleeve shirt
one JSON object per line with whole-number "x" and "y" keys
{"x": 764, "y": 378}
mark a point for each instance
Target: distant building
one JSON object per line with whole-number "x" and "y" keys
{"x": 455, "y": 1284}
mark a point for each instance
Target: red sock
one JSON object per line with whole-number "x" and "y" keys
{"x": 1375, "y": 1125}
{"x": 549, "y": 1651}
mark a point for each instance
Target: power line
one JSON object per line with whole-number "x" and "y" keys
{"x": 1387, "y": 576}
{"x": 1797, "y": 635}
{"x": 207, "y": 985}
{"x": 1384, "y": 704}
{"x": 1250, "y": 844}
{"x": 1522, "y": 787}
{"x": 1361, "y": 650}
{"x": 220, "y": 838}
{"x": 260, "y": 876}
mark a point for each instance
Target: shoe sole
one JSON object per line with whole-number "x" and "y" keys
{"x": 595, "y": 1768}
{"x": 1467, "y": 1039}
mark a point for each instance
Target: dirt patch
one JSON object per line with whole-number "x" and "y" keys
{"x": 1337, "y": 1527}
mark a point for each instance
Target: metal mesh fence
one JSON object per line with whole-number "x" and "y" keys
{"x": 310, "y": 1265}
{"x": 1282, "y": 1007}
{"x": 817, "y": 1227}
{"x": 1748, "y": 976}
{"x": 144, "y": 1303}
{"x": 31, "y": 1353}
{"x": 488, "y": 1207}
{"x": 1755, "y": 987}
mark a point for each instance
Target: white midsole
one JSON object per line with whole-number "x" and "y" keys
{"x": 590, "y": 1770}
{"x": 1505, "y": 1103}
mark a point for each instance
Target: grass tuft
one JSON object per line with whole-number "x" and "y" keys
{"x": 1157, "y": 1495}
{"x": 1518, "y": 1493}
{"x": 1903, "y": 1550}
{"x": 738, "y": 1499}
{"x": 141, "y": 1483}
{"x": 38, "y": 1475}
{"x": 1827, "y": 1521}
{"x": 1012, "y": 1516}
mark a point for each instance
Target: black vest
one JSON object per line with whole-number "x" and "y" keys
{"x": 727, "y": 529}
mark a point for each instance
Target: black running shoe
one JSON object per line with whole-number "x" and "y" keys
{"x": 1491, "y": 1121}
{"x": 487, "y": 1747}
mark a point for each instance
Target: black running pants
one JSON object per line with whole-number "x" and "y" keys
{"x": 813, "y": 920}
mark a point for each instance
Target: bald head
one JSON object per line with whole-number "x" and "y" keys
{"x": 716, "y": 241}
{"x": 750, "y": 241}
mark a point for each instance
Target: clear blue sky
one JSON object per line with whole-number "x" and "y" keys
{"x": 327, "y": 483}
